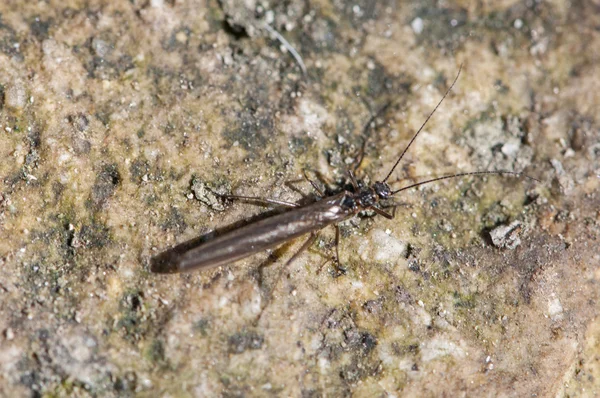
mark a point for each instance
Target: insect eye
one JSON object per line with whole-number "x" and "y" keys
{"x": 382, "y": 190}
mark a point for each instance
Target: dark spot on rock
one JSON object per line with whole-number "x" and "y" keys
{"x": 403, "y": 349}
{"x": 31, "y": 380}
{"x": 299, "y": 145}
{"x": 124, "y": 63}
{"x": 35, "y": 139}
{"x": 174, "y": 221}
{"x": 350, "y": 373}
{"x": 79, "y": 121}
{"x": 81, "y": 146}
{"x": 352, "y": 336}
{"x": 156, "y": 352}
{"x": 530, "y": 261}
{"x": 468, "y": 301}
{"x": 234, "y": 29}
{"x": 103, "y": 115}
{"x": 333, "y": 319}
{"x": 368, "y": 342}
{"x": 173, "y": 43}
{"x": 441, "y": 256}
{"x": 10, "y": 43}
{"x": 134, "y": 301}
{"x": 201, "y": 326}
{"x": 99, "y": 68}
{"x": 95, "y": 235}
{"x": 355, "y": 338}
{"x": 311, "y": 393}
{"x": 131, "y": 318}
{"x": 379, "y": 82}
{"x": 243, "y": 341}
{"x": 531, "y": 198}
{"x": 170, "y": 128}
{"x": 105, "y": 185}
{"x": 501, "y": 87}
{"x": 414, "y": 265}
{"x": 359, "y": 370}
{"x": 57, "y": 190}
{"x": 31, "y": 159}
{"x": 138, "y": 169}
{"x": 373, "y": 306}
{"x": 70, "y": 241}
{"x": 402, "y": 295}
{"x": 444, "y": 27}
{"x": 251, "y": 131}
{"x": 43, "y": 334}
{"x": 40, "y": 28}
{"x": 127, "y": 383}
{"x": 69, "y": 12}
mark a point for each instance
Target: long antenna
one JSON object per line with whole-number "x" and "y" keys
{"x": 474, "y": 173}
{"x": 423, "y": 125}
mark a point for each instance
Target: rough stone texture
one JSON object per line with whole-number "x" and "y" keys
{"x": 110, "y": 109}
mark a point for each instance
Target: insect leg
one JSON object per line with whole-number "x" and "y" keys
{"x": 311, "y": 239}
{"x": 262, "y": 200}
{"x": 314, "y": 184}
{"x": 337, "y": 244}
{"x": 322, "y": 265}
{"x": 353, "y": 180}
{"x": 382, "y": 213}
{"x": 339, "y": 270}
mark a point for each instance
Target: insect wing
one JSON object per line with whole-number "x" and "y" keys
{"x": 255, "y": 237}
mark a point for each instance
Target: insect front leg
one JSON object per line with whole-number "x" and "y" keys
{"x": 384, "y": 213}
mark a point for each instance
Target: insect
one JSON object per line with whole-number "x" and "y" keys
{"x": 300, "y": 220}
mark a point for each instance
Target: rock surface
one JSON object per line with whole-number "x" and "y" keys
{"x": 109, "y": 110}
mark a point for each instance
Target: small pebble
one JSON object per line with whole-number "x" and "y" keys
{"x": 417, "y": 25}
{"x": 507, "y": 236}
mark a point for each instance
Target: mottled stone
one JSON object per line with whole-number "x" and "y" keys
{"x": 122, "y": 123}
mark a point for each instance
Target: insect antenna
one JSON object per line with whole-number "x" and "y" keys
{"x": 423, "y": 125}
{"x": 473, "y": 173}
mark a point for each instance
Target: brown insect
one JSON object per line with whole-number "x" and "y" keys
{"x": 299, "y": 220}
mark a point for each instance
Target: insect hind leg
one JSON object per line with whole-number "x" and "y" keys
{"x": 339, "y": 269}
{"x": 311, "y": 239}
